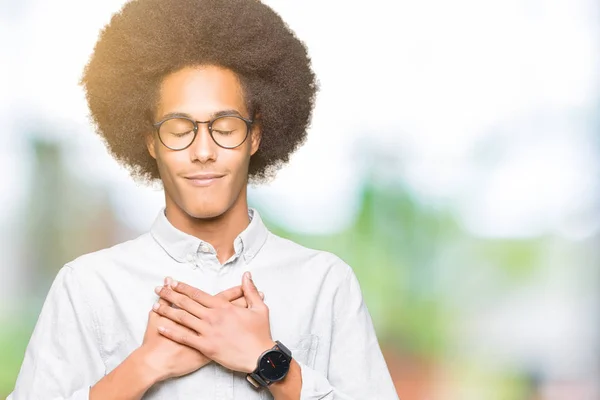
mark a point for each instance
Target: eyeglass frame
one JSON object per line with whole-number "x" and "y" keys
{"x": 248, "y": 122}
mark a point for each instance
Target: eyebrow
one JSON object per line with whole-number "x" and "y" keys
{"x": 212, "y": 116}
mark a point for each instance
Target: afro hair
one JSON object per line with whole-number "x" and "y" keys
{"x": 149, "y": 39}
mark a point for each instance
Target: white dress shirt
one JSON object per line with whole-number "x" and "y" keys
{"x": 97, "y": 308}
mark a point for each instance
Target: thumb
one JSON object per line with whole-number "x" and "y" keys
{"x": 250, "y": 291}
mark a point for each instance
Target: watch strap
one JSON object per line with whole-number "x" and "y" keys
{"x": 284, "y": 349}
{"x": 256, "y": 380}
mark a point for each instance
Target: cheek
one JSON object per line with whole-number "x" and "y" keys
{"x": 169, "y": 164}
{"x": 238, "y": 164}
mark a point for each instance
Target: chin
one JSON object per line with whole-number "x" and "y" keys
{"x": 205, "y": 211}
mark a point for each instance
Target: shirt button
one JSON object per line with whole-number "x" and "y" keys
{"x": 204, "y": 248}
{"x": 190, "y": 258}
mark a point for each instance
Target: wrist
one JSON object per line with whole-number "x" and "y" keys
{"x": 142, "y": 361}
{"x": 254, "y": 361}
{"x": 289, "y": 387}
{"x": 129, "y": 380}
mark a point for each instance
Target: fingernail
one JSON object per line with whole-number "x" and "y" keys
{"x": 262, "y": 295}
{"x": 162, "y": 329}
{"x": 158, "y": 289}
{"x": 167, "y": 280}
{"x": 173, "y": 283}
{"x": 155, "y": 306}
{"x": 248, "y": 275}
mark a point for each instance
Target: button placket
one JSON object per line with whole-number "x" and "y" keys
{"x": 193, "y": 260}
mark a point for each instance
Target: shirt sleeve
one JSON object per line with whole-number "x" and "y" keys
{"x": 62, "y": 360}
{"x": 357, "y": 369}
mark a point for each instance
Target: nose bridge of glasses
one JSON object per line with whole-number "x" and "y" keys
{"x": 203, "y": 136}
{"x": 207, "y": 123}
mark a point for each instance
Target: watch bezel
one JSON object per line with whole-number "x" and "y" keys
{"x": 284, "y": 371}
{"x": 256, "y": 377}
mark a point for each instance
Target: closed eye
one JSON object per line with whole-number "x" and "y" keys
{"x": 177, "y": 134}
{"x": 224, "y": 133}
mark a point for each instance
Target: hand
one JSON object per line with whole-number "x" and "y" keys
{"x": 167, "y": 359}
{"x": 232, "y": 336}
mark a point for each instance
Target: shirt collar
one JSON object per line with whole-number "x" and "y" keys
{"x": 180, "y": 245}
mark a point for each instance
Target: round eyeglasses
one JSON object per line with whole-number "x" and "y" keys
{"x": 227, "y": 131}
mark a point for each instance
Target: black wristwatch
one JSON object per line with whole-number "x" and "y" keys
{"x": 272, "y": 366}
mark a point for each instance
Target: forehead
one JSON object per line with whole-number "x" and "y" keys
{"x": 201, "y": 91}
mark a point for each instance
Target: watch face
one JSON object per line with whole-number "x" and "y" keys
{"x": 274, "y": 365}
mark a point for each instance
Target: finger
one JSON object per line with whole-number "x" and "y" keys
{"x": 161, "y": 302}
{"x": 181, "y": 317}
{"x": 241, "y": 302}
{"x": 232, "y": 293}
{"x": 235, "y": 295}
{"x": 197, "y": 295}
{"x": 183, "y": 335}
{"x": 181, "y": 301}
{"x": 250, "y": 292}
{"x": 168, "y": 281}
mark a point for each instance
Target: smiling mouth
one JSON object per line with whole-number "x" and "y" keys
{"x": 203, "y": 180}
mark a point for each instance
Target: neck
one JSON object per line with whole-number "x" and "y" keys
{"x": 219, "y": 231}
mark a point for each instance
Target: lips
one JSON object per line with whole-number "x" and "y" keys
{"x": 204, "y": 179}
{"x": 207, "y": 175}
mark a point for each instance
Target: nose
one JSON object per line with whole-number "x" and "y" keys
{"x": 203, "y": 148}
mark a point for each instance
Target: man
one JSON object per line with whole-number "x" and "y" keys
{"x": 203, "y": 95}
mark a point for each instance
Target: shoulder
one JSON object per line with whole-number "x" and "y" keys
{"x": 102, "y": 261}
{"x": 323, "y": 269}
{"x": 319, "y": 262}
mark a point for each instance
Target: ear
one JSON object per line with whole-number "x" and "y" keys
{"x": 150, "y": 144}
{"x": 255, "y": 135}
